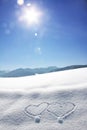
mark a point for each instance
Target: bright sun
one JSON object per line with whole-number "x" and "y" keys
{"x": 30, "y": 15}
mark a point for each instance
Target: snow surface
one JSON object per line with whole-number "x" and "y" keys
{"x": 50, "y": 101}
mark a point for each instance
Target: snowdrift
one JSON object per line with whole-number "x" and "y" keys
{"x": 50, "y": 101}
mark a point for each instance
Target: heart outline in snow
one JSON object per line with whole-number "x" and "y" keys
{"x": 34, "y": 110}
{"x": 64, "y": 114}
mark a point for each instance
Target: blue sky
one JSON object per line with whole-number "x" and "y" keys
{"x": 59, "y": 38}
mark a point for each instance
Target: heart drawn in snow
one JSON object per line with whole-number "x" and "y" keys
{"x": 60, "y": 109}
{"x": 35, "y": 110}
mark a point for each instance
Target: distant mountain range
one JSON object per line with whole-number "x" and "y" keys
{"x": 28, "y": 71}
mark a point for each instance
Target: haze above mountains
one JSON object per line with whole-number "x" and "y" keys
{"x": 28, "y": 71}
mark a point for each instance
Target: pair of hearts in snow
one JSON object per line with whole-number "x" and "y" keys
{"x": 59, "y": 110}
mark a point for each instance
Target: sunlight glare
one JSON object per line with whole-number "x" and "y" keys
{"x": 30, "y": 15}
{"x": 20, "y": 2}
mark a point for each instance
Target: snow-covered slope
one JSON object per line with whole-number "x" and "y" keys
{"x": 50, "y": 101}
{"x": 56, "y": 80}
